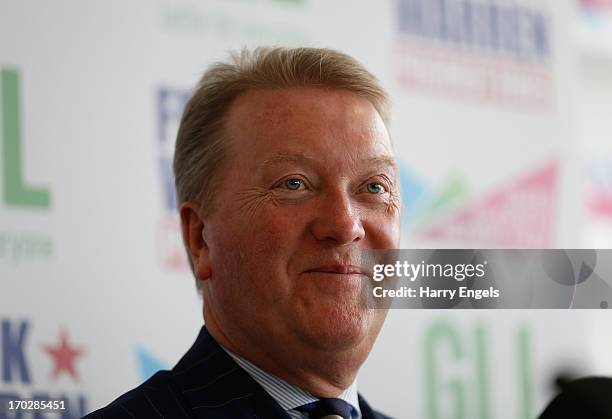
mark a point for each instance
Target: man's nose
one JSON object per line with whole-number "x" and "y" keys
{"x": 338, "y": 221}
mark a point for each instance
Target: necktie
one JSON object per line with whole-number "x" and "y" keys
{"x": 327, "y": 409}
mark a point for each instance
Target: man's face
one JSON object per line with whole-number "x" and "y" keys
{"x": 310, "y": 182}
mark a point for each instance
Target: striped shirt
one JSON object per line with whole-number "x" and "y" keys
{"x": 288, "y": 396}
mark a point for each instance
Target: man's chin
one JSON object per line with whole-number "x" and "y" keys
{"x": 339, "y": 330}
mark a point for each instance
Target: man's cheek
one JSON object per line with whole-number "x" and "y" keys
{"x": 385, "y": 230}
{"x": 276, "y": 234}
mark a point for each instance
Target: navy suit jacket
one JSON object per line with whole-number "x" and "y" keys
{"x": 206, "y": 383}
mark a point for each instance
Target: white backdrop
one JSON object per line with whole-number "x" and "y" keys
{"x": 484, "y": 132}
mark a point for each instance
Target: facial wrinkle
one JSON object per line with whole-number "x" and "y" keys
{"x": 251, "y": 200}
{"x": 393, "y": 204}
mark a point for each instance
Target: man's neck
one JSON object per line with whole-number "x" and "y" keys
{"x": 322, "y": 374}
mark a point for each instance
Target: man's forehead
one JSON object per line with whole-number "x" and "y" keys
{"x": 277, "y": 106}
{"x": 298, "y": 123}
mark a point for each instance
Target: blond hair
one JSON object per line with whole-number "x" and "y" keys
{"x": 200, "y": 155}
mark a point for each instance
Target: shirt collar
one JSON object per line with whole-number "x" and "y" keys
{"x": 287, "y": 395}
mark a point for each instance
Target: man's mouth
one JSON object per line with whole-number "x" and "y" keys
{"x": 338, "y": 269}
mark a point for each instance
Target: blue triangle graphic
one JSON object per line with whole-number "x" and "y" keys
{"x": 414, "y": 193}
{"x": 148, "y": 364}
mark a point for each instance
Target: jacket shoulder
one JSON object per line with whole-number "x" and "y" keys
{"x": 156, "y": 397}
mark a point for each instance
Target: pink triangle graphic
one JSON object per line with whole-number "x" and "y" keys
{"x": 600, "y": 205}
{"x": 519, "y": 214}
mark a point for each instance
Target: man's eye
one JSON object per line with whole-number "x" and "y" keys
{"x": 376, "y": 188}
{"x": 293, "y": 184}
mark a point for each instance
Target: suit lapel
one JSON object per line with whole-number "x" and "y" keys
{"x": 214, "y": 386}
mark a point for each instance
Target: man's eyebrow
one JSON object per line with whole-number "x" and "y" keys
{"x": 287, "y": 157}
{"x": 305, "y": 158}
{"x": 383, "y": 161}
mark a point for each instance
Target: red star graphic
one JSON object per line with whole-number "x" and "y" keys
{"x": 64, "y": 356}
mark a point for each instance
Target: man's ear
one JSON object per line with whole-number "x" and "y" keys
{"x": 192, "y": 228}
